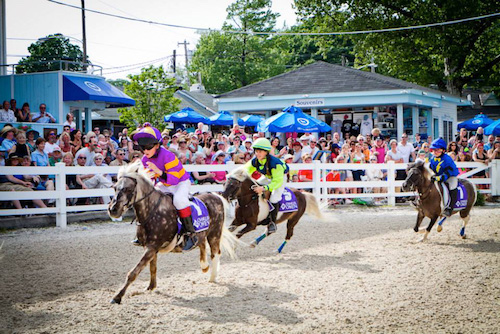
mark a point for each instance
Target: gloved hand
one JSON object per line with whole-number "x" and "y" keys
{"x": 435, "y": 178}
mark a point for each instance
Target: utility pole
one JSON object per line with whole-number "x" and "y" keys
{"x": 173, "y": 60}
{"x": 84, "y": 37}
{"x": 186, "y": 53}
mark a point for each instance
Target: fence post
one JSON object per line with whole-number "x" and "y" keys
{"x": 391, "y": 188}
{"x": 61, "y": 219}
{"x": 317, "y": 179}
{"x": 495, "y": 177}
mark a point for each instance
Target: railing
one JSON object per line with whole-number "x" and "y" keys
{"x": 320, "y": 187}
{"x": 58, "y": 65}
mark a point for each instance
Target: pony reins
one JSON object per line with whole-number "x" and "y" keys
{"x": 145, "y": 196}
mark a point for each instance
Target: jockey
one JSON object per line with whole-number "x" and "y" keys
{"x": 446, "y": 171}
{"x": 167, "y": 171}
{"x": 274, "y": 169}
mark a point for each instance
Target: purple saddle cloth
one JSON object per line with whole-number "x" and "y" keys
{"x": 461, "y": 202}
{"x": 201, "y": 218}
{"x": 288, "y": 202}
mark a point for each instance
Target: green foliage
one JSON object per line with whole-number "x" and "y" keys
{"x": 118, "y": 83}
{"x": 153, "y": 91}
{"x": 452, "y": 57}
{"x": 480, "y": 199}
{"x": 46, "y": 54}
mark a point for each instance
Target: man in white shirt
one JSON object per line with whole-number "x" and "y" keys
{"x": 7, "y": 115}
{"x": 51, "y": 143}
{"x": 43, "y": 116}
{"x": 406, "y": 149}
{"x": 89, "y": 152}
{"x": 310, "y": 149}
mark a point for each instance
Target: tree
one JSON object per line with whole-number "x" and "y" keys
{"x": 451, "y": 56}
{"x": 47, "y": 53}
{"x": 118, "y": 83}
{"x": 153, "y": 91}
{"x": 229, "y": 60}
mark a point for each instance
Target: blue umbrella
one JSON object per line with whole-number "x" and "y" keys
{"x": 250, "y": 120}
{"x": 479, "y": 120}
{"x": 186, "y": 115}
{"x": 222, "y": 118}
{"x": 493, "y": 128}
{"x": 292, "y": 119}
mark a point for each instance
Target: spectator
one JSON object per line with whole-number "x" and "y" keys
{"x": 43, "y": 116}
{"x": 494, "y": 152}
{"x": 21, "y": 149}
{"x": 357, "y": 157}
{"x": 24, "y": 114}
{"x": 306, "y": 175}
{"x": 165, "y": 139}
{"x": 134, "y": 156}
{"x": 70, "y": 121}
{"x": 15, "y": 109}
{"x": 335, "y": 151}
{"x": 237, "y": 131}
{"x": 194, "y": 145}
{"x": 8, "y": 133}
{"x": 66, "y": 129}
{"x": 239, "y": 158}
{"x": 120, "y": 158}
{"x": 209, "y": 149}
{"x": 107, "y": 148}
{"x": 109, "y": 139}
{"x": 480, "y": 134}
{"x": 310, "y": 149}
{"x": 93, "y": 181}
{"x": 407, "y": 150}
{"x": 297, "y": 152}
{"x": 375, "y": 175}
{"x": 288, "y": 149}
{"x": 275, "y": 149}
{"x": 218, "y": 159}
{"x": 452, "y": 150}
{"x": 174, "y": 144}
{"x": 97, "y": 131}
{"x": 7, "y": 115}
{"x": 76, "y": 141}
{"x": 423, "y": 156}
{"x": 248, "y": 146}
{"x": 202, "y": 177}
{"x": 51, "y": 144}
{"x": 237, "y": 147}
{"x": 89, "y": 136}
{"x": 39, "y": 157}
{"x": 185, "y": 154}
{"x": 32, "y": 136}
{"x": 89, "y": 152}
{"x": 65, "y": 142}
{"x": 126, "y": 145}
{"x": 480, "y": 156}
{"x": 56, "y": 157}
{"x": 489, "y": 144}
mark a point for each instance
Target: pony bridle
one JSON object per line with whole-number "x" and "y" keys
{"x": 135, "y": 195}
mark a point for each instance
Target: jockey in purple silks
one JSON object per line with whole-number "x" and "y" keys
{"x": 167, "y": 171}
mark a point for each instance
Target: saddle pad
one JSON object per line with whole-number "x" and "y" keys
{"x": 288, "y": 202}
{"x": 461, "y": 196}
{"x": 199, "y": 212}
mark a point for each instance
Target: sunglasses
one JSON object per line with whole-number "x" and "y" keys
{"x": 135, "y": 156}
{"x": 147, "y": 147}
{"x": 121, "y": 153}
{"x": 82, "y": 158}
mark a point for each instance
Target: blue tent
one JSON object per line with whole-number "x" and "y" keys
{"x": 250, "y": 120}
{"x": 222, "y": 118}
{"x": 479, "y": 120}
{"x": 493, "y": 128}
{"x": 186, "y": 115}
{"x": 292, "y": 119}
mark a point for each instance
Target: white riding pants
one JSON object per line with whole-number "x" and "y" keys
{"x": 276, "y": 194}
{"x": 452, "y": 182}
{"x": 180, "y": 192}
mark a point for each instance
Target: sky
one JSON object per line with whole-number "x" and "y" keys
{"x": 116, "y": 44}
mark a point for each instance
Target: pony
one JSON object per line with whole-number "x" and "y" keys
{"x": 430, "y": 198}
{"x": 157, "y": 228}
{"x": 253, "y": 209}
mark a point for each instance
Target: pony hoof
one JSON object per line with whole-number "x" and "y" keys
{"x": 231, "y": 228}
{"x": 439, "y": 228}
{"x": 115, "y": 301}
{"x": 464, "y": 236}
{"x": 253, "y": 244}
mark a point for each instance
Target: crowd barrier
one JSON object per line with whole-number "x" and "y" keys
{"x": 321, "y": 188}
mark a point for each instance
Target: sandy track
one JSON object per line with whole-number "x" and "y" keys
{"x": 364, "y": 272}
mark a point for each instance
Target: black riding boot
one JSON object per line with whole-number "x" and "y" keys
{"x": 271, "y": 227}
{"x": 453, "y": 199}
{"x": 191, "y": 240}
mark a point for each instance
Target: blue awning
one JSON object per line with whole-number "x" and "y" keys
{"x": 76, "y": 88}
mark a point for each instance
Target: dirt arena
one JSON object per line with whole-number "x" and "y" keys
{"x": 362, "y": 271}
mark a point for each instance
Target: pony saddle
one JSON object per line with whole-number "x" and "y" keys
{"x": 461, "y": 196}
{"x": 288, "y": 202}
{"x": 200, "y": 215}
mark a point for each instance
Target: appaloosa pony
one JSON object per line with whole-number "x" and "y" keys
{"x": 430, "y": 198}
{"x": 157, "y": 228}
{"x": 253, "y": 209}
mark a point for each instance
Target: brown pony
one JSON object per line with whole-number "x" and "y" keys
{"x": 253, "y": 209}
{"x": 430, "y": 198}
{"x": 157, "y": 224}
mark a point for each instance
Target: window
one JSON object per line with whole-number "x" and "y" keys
{"x": 448, "y": 131}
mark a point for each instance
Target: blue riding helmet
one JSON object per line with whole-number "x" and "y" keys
{"x": 438, "y": 143}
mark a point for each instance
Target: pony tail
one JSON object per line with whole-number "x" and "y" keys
{"x": 229, "y": 241}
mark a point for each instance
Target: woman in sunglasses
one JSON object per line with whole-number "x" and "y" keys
{"x": 170, "y": 176}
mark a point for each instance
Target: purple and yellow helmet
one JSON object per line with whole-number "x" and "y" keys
{"x": 147, "y": 135}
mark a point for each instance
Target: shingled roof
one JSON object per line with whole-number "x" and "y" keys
{"x": 321, "y": 77}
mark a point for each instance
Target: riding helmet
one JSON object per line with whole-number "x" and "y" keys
{"x": 147, "y": 135}
{"x": 438, "y": 143}
{"x": 262, "y": 144}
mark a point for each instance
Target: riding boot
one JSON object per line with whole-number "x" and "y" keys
{"x": 271, "y": 227}
{"x": 136, "y": 242}
{"x": 191, "y": 240}
{"x": 453, "y": 199}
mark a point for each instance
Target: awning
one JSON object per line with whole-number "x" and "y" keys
{"x": 76, "y": 88}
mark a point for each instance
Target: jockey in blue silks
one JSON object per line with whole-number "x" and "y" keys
{"x": 446, "y": 171}
{"x": 272, "y": 168}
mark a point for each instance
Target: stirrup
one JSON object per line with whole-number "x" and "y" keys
{"x": 271, "y": 228}
{"x": 190, "y": 243}
{"x": 448, "y": 212}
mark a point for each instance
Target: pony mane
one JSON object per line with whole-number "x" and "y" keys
{"x": 427, "y": 171}
{"x": 134, "y": 170}
{"x": 239, "y": 174}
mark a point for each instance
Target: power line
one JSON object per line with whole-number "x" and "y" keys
{"x": 277, "y": 33}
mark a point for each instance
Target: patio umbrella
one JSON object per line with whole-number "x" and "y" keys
{"x": 493, "y": 128}
{"x": 186, "y": 115}
{"x": 222, "y": 118}
{"x": 479, "y": 120}
{"x": 292, "y": 119}
{"x": 250, "y": 120}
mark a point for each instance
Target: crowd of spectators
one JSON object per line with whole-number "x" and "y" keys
{"x": 11, "y": 113}
{"x": 202, "y": 146}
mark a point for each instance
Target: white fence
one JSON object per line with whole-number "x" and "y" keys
{"x": 321, "y": 188}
